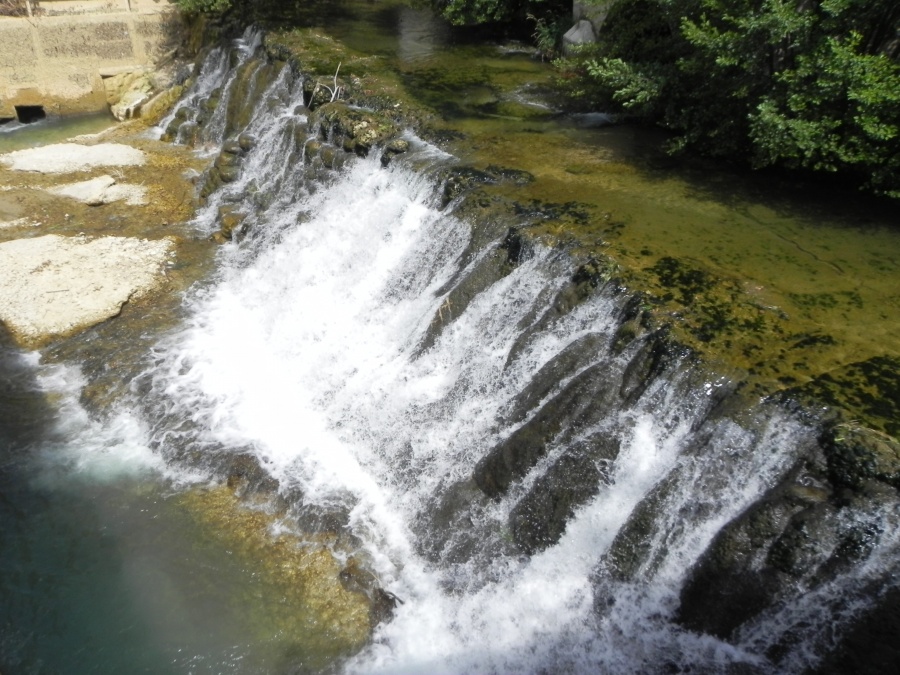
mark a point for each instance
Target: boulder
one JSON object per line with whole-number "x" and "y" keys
{"x": 127, "y": 92}
{"x": 355, "y": 129}
{"x": 579, "y": 34}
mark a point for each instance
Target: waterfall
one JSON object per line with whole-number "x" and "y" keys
{"x": 391, "y": 363}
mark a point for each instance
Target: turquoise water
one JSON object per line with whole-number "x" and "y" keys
{"x": 93, "y": 559}
{"x": 16, "y": 136}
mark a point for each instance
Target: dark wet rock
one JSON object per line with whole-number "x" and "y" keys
{"x": 356, "y": 130}
{"x": 856, "y": 454}
{"x": 575, "y": 357}
{"x": 182, "y": 115}
{"x": 246, "y": 142}
{"x": 485, "y": 273}
{"x": 232, "y": 148}
{"x": 227, "y": 159}
{"x": 798, "y": 536}
{"x": 633, "y": 319}
{"x": 398, "y": 146}
{"x": 383, "y": 605}
{"x": 539, "y": 520}
{"x": 252, "y": 78}
{"x": 653, "y": 358}
{"x": 311, "y": 150}
{"x": 871, "y": 646}
{"x": 452, "y": 512}
{"x": 245, "y": 475}
{"x": 566, "y": 299}
{"x": 357, "y": 578}
{"x": 206, "y": 107}
{"x": 517, "y": 247}
{"x": 331, "y": 156}
{"x": 301, "y": 136}
{"x": 230, "y": 220}
{"x": 189, "y": 134}
{"x": 632, "y": 547}
{"x": 459, "y": 180}
{"x": 574, "y": 407}
{"x": 229, "y": 174}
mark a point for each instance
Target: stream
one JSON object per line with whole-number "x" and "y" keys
{"x": 399, "y": 427}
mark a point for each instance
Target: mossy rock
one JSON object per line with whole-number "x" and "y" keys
{"x": 855, "y": 454}
{"x": 865, "y": 391}
{"x": 357, "y": 130}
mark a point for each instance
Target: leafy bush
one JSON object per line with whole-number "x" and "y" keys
{"x": 203, "y": 6}
{"x": 471, "y": 12}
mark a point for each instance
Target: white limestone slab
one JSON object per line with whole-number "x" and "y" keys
{"x": 54, "y": 285}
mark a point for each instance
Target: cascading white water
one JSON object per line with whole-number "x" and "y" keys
{"x": 306, "y": 350}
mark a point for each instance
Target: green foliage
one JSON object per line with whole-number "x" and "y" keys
{"x": 472, "y": 12}
{"x": 203, "y": 6}
{"x": 547, "y": 35}
{"x": 811, "y": 84}
{"x": 467, "y": 12}
{"x": 634, "y": 88}
{"x": 836, "y": 109}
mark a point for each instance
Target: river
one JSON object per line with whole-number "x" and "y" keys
{"x": 397, "y": 427}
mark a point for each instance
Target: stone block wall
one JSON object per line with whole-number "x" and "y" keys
{"x": 58, "y": 58}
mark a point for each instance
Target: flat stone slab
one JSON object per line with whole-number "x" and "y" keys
{"x": 102, "y": 190}
{"x": 69, "y": 157}
{"x": 55, "y": 285}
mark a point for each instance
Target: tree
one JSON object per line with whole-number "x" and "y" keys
{"x": 203, "y": 6}
{"x": 471, "y": 12}
{"x": 811, "y": 84}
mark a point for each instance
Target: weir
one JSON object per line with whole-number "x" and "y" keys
{"x": 539, "y": 479}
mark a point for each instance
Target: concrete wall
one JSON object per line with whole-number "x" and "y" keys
{"x": 59, "y": 57}
{"x": 594, "y": 11}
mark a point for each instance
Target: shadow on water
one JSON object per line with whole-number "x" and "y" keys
{"x": 108, "y": 567}
{"x": 58, "y": 611}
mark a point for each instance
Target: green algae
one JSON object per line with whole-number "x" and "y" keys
{"x": 789, "y": 285}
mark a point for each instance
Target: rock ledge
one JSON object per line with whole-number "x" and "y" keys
{"x": 53, "y": 285}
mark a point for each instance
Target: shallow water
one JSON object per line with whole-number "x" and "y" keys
{"x": 16, "y": 136}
